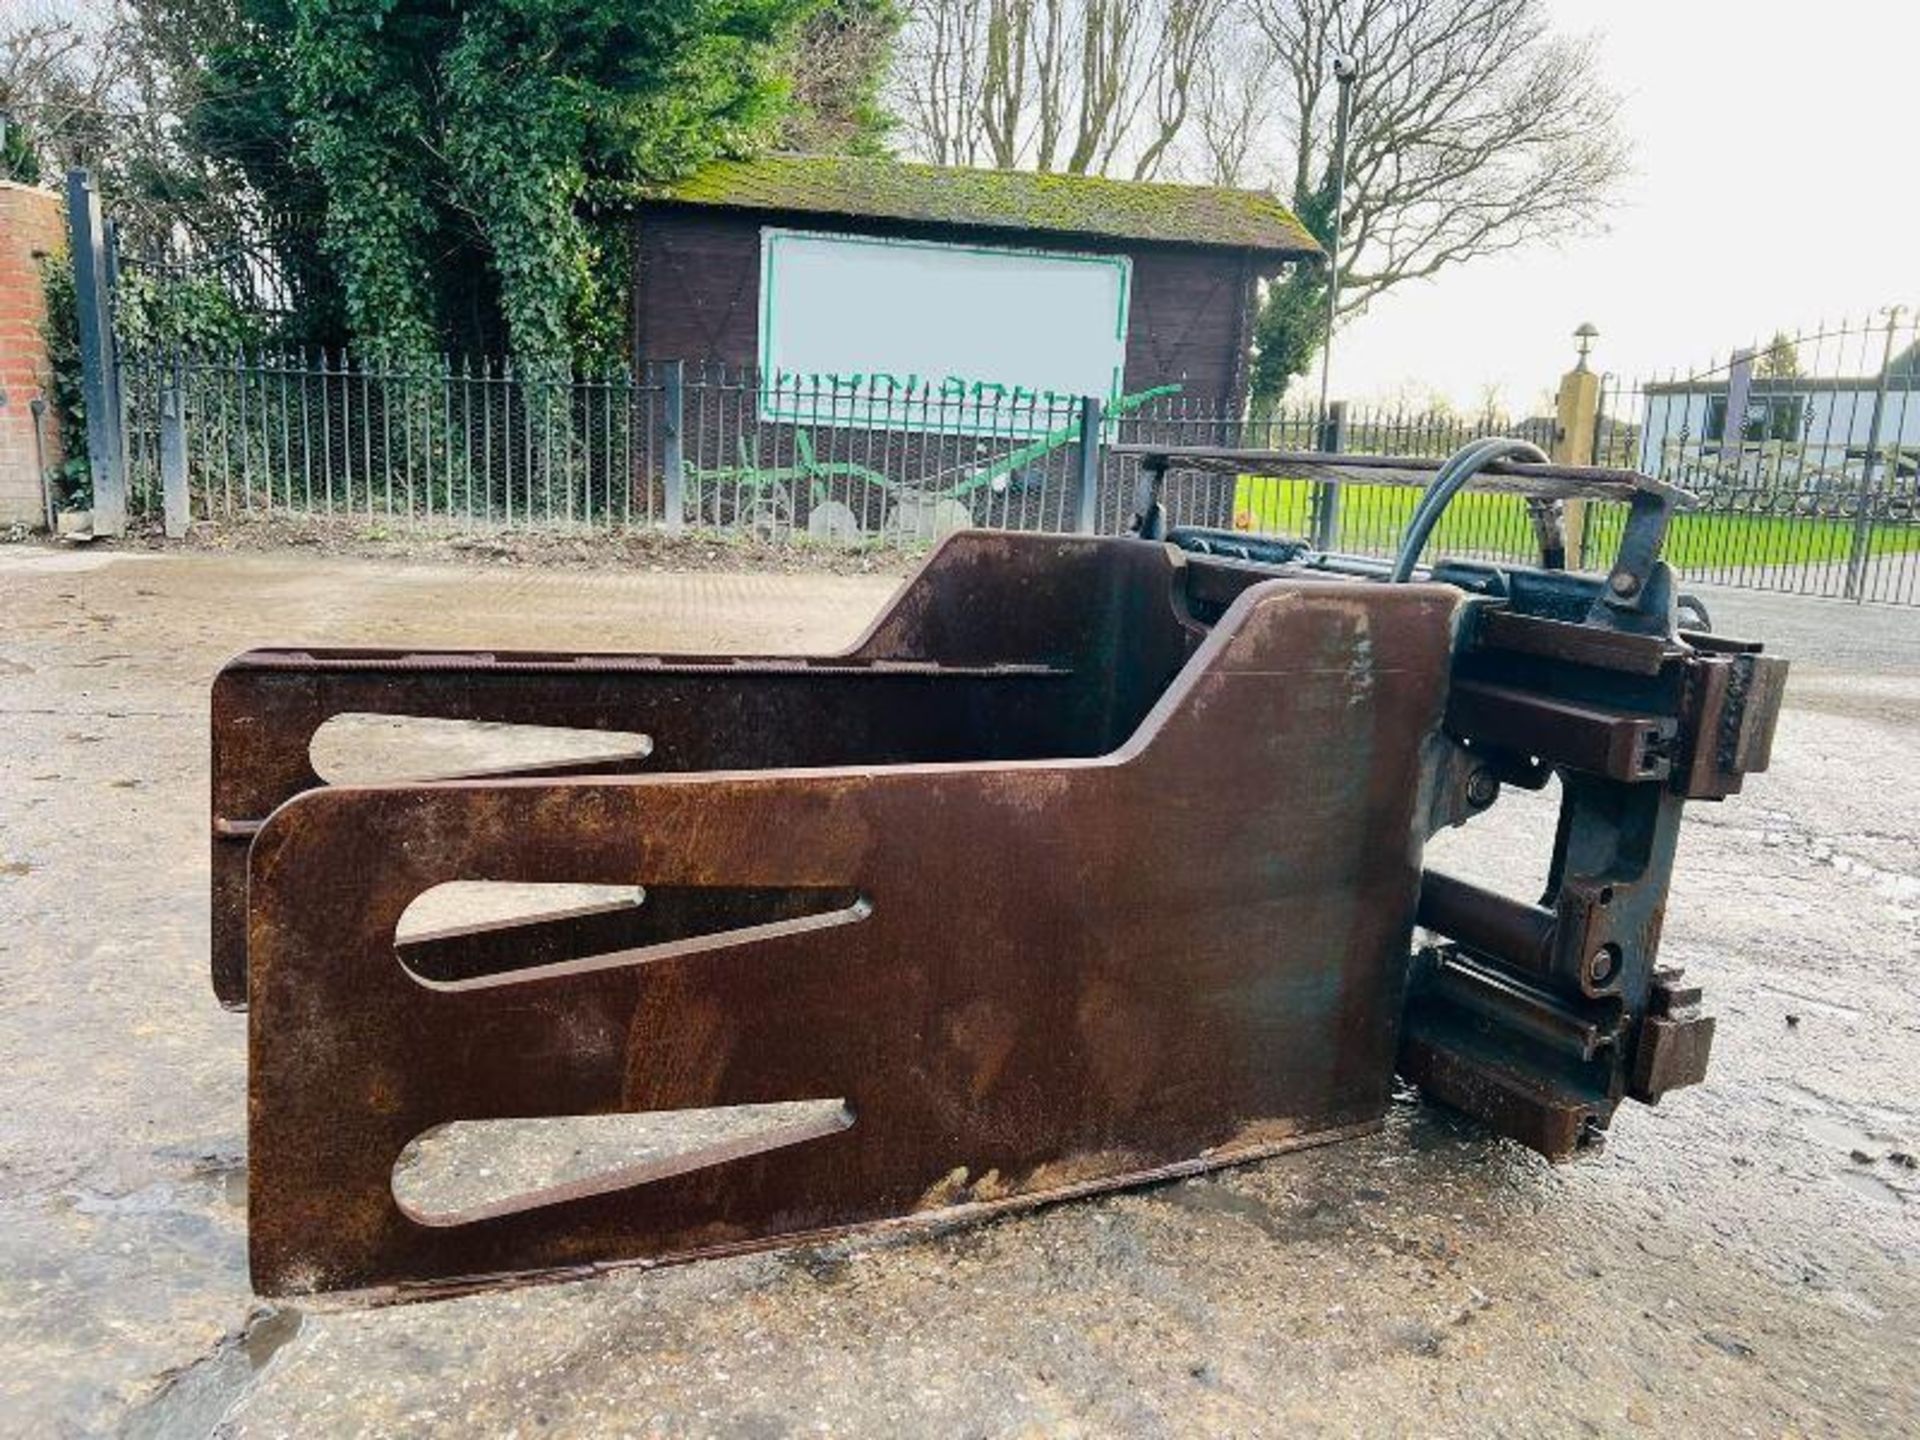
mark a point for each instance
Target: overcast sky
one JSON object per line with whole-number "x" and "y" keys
{"x": 1777, "y": 183}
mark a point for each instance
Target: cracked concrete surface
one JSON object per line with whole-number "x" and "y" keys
{"x": 1744, "y": 1259}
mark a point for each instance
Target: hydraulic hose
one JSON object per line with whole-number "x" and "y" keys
{"x": 1460, "y": 467}
{"x": 1439, "y": 491}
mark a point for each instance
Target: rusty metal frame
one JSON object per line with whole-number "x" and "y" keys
{"x": 944, "y": 659}
{"x": 1092, "y": 1015}
{"x": 1092, "y": 862}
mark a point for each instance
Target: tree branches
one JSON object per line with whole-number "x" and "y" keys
{"x": 1476, "y": 129}
{"x": 835, "y": 67}
{"x": 1083, "y": 86}
{"x": 59, "y": 82}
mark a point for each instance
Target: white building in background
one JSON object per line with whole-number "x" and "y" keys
{"x": 1806, "y": 432}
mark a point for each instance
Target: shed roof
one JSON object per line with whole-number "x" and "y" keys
{"x": 1204, "y": 215}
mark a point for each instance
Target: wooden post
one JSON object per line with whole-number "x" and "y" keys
{"x": 1576, "y": 414}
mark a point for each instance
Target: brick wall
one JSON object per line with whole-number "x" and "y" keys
{"x": 32, "y": 222}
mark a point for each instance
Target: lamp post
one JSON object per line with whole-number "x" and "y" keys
{"x": 1346, "y": 70}
{"x": 1586, "y": 335}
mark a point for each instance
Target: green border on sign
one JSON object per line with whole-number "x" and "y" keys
{"x": 771, "y": 234}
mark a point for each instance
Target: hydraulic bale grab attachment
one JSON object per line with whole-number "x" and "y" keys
{"x": 1094, "y": 862}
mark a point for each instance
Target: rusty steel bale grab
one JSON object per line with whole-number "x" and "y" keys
{"x": 1094, "y": 862}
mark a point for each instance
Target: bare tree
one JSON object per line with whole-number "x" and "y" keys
{"x": 938, "y": 79}
{"x": 834, "y": 67}
{"x": 1003, "y": 90}
{"x": 1184, "y": 51}
{"x": 1475, "y": 129}
{"x": 1232, "y": 101}
{"x": 1082, "y": 86}
{"x": 59, "y": 76}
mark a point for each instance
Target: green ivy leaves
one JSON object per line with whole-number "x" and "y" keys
{"x": 509, "y": 127}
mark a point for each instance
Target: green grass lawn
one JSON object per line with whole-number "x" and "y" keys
{"x": 1373, "y": 516}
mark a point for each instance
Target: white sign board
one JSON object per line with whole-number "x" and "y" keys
{"x": 860, "y": 330}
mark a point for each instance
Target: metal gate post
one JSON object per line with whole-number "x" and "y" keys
{"x": 1858, "y": 552}
{"x": 93, "y": 303}
{"x": 175, "y": 510}
{"x": 1326, "y": 495}
{"x": 116, "y": 390}
{"x": 673, "y": 429}
{"x": 1086, "y": 517}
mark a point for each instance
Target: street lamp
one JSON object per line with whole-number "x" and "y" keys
{"x": 1346, "y": 70}
{"x": 1586, "y": 335}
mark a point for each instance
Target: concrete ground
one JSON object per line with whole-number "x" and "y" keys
{"x": 1745, "y": 1259}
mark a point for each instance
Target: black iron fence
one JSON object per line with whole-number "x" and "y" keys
{"x": 1810, "y": 489}
{"x": 1803, "y": 451}
{"x": 317, "y": 434}
{"x": 714, "y": 447}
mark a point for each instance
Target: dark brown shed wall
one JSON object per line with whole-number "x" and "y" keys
{"x": 697, "y": 293}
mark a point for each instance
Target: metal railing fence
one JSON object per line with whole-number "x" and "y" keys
{"x": 320, "y": 434}
{"x": 714, "y": 447}
{"x": 1803, "y": 451}
{"x": 1816, "y": 494}
{"x": 1369, "y": 519}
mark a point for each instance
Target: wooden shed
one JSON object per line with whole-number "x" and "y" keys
{"x": 1184, "y": 262}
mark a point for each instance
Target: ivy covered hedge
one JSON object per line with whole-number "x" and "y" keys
{"x": 467, "y": 163}
{"x": 153, "y": 314}
{"x": 60, "y": 332}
